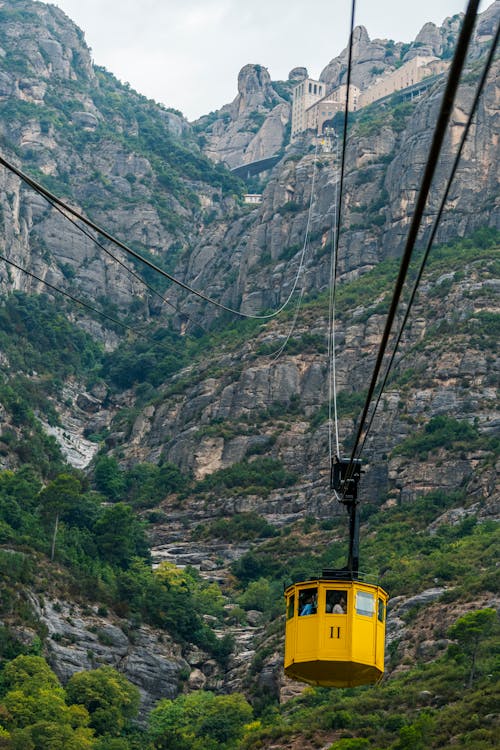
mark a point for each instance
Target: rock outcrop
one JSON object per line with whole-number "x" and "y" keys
{"x": 237, "y": 402}
{"x": 67, "y": 122}
{"x": 252, "y": 127}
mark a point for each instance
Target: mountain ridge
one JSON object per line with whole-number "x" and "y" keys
{"x": 218, "y": 443}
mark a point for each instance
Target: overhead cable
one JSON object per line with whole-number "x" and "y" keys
{"x": 344, "y": 135}
{"x": 437, "y": 141}
{"x": 54, "y": 199}
{"x": 439, "y": 214}
{"x": 276, "y": 355}
{"x": 333, "y": 424}
{"x": 120, "y": 262}
{"x": 73, "y": 298}
{"x": 336, "y": 222}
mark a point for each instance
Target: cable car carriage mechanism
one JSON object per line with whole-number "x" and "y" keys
{"x": 335, "y": 624}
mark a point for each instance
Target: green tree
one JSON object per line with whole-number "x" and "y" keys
{"x": 199, "y": 721}
{"x": 35, "y": 711}
{"x": 109, "y": 478}
{"x": 5, "y": 739}
{"x": 18, "y": 491}
{"x": 120, "y": 536}
{"x": 29, "y": 674}
{"x": 111, "y": 700}
{"x": 60, "y": 496}
{"x": 470, "y": 632}
{"x": 148, "y": 484}
{"x": 260, "y": 595}
{"x": 416, "y": 736}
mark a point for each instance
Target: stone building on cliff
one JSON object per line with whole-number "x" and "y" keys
{"x": 312, "y": 110}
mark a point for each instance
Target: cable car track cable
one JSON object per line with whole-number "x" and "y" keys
{"x": 432, "y": 236}
{"x": 51, "y": 197}
{"x": 336, "y": 222}
{"x": 452, "y": 83}
{"x": 275, "y": 356}
{"x": 120, "y": 262}
{"x": 73, "y": 298}
{"x": 332, "y": 365}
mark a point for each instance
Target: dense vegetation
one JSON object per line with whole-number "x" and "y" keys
{"x": 106, "y": 550}
{"x": 87, "y": 534}
{"x": 76, "y": 546}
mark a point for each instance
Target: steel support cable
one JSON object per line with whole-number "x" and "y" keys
{"x": 75, "y": 299}
{"x": 277, "y": 354}
{"x": 344, "y": 135}
{"x": 332, "y": 366}
{"x": 120, "y": 262}
{"x": 437, "y": 141}
{"x": 337, "y": 221}
{"x": 305, "y": 245}
{"x": 51, "y": 197}
{"x": 432, "y": 236}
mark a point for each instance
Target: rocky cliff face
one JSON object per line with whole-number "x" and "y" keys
{"x": 68, "y": 136}
{"x": 104, "y": 148}
{"x": 241, "y": 401}
{"x": 253, "y": 126}
{"x": 385, "y": 159}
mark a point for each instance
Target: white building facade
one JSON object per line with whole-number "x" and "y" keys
{"x": 312, "y": 107}
{"x": 306, "y": 93}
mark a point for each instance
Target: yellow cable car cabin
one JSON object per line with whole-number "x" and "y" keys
{"x": 335, "y": 632}
{"x": 335, "y": 625}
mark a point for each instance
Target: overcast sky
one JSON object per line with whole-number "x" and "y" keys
{"x": 187, "y": 54}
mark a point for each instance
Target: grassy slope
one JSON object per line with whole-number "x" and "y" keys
{"x": 423, "y": 703}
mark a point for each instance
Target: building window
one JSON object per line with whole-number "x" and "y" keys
{"x": 310, "y": 87}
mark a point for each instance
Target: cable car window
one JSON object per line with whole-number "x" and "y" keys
{"x": 290, "y": 611}
{"x": 308, "y": 601}
{"x": 381, "y": 610}
{"x": 365, "y": 603}
{"x": 336, "y": 602}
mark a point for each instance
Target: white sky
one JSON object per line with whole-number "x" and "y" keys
{"x": 187, "y": 54}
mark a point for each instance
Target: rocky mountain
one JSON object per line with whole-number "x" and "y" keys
{"x": 249, "y": 128}
{"x": 254, "y": 126}
{"x": 109, "y": 151}
{"x": 216, "y": 430}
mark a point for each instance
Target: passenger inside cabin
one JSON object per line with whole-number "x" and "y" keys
{"x": 340, "y": 607}
{"x": 336, "y": 602}
{"x": 308, "y": 602}
{"x": 308, "y": 608}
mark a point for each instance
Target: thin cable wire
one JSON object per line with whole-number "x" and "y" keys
{"x": 344, "y": 134}
{"x": 305, "y": 245}
{"x": 432, "y": 236}
{"x": 339, "y": 190}
{"x": 277, "y": 354}
{"x": 48, "y": 195}
{"x": 438, "y": 137}
{"x": 74, "y": 299}
{"x": 121, "y": 263}
{"x": 332, "y": 367}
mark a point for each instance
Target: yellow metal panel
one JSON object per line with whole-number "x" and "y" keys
{"x": 335, "y": 637}
{"x": 363, "y": 639}
{"x": 307, "y": 638}
{"x": 336, "y": 650}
